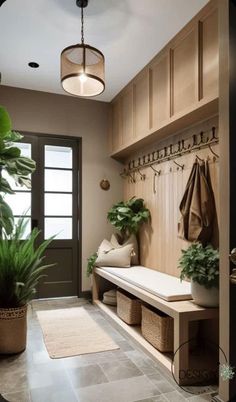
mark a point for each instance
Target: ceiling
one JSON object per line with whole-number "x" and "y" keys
{"x": 128, "y": 32}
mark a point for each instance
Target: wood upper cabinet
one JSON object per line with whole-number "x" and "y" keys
{"x": 159, "y": 85}
{"x": 141, "y": 104}
{"x": 127, "y": 115}
{"x": 115, "y": 126}
{"x": 184, "y": 70}
{"x": 209, "y": 55}
{"x": 181, "y": 80}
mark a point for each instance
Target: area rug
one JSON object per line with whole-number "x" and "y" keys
{"x": 71, "y": 332}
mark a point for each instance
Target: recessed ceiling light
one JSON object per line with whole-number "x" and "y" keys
{"x": 33, "y": 64}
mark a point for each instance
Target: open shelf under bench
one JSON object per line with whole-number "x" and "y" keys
{"x": 183, "y": 312}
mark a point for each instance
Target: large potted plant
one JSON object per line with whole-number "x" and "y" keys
{"x": 127, "y": 217}
{"x": 201, "y": 265}
{"x": 20, "y": 261}
{"x": 21, "y": 267}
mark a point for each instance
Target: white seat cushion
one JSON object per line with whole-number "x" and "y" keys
{"x": 165, "y": 286}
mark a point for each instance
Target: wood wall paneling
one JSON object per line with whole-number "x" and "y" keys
{"x": 184, "y": 71}
{"x": 160, "y": 90}
{"x": 141, "y": 104}
{"x": 160, "y": 246}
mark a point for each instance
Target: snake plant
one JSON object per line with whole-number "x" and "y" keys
{"x": 21, "y": 265}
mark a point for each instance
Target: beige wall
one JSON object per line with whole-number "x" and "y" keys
{"x": 40, "y": 112}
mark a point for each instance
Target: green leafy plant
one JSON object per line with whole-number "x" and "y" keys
{"x": 128, "y": 216}
{"x": 201, "y": 264}
{"x": 15, "y": 165}
{"x": 21, "y": 265}
{"x": 91, "y": 263}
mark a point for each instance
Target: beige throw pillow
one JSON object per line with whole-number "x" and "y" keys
{"x": 131, "y": 240}
{"x": 109, "y": 256}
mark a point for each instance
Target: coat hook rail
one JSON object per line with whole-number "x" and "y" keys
{"x": 213, "y": 152}
{"x": 194, "y": 143}
{"x": 179, "y": 166}
{"x": 155, "y": 170}
{"x": 142, "y": 175}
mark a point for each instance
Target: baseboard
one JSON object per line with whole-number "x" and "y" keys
{"x": 216, "y": 398}
{"x": 86, "y": 294}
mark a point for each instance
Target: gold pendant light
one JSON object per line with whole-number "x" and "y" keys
{"x": 82, "y": 66}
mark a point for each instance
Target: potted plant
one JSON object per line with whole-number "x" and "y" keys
{"x": 201, "y": 265}
{"x": 20, "y": 261}
{"x": 21, "y": 267}
{"x": 126, "y": 217}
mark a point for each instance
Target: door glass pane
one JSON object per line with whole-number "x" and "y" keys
{"x": 58, "y": 156}
{"x": 20, "y": 203}
{"x": 61, "y": 227}
{"x": 58, "y": 180}
{"x": 27, "y": 228}
{"x": 58, "y": 204}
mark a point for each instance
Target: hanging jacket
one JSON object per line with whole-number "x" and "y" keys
{"x": 197, "y": 207}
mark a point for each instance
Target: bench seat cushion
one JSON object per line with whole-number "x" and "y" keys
{"x": 165, "y": 286}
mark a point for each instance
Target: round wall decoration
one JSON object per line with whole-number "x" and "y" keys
{"x": 105, "y": 184}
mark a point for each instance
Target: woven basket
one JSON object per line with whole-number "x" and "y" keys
{"x": 13, "y": 328}
{"x": 158, "y": 329}
{"x": 128, "y": 308}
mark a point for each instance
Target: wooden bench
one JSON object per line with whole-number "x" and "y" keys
{"x": 183, "y": 312}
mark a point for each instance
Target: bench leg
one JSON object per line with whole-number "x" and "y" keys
{"x": 95, "y": 287}
{"x": 181, "y": 349}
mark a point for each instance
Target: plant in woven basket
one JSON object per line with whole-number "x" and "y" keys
{"x": 21, "y": 265}
{"x": 13, "y": 165}
{"x": 128, "y": 216}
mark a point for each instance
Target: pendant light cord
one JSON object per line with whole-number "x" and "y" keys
{"x": 82, "y": 25}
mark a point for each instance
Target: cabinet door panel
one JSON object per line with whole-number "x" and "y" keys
{"x": 127, "y": 116}
{"x": 160, "y": 91}
{"x": 209, "y": 55}
{"x": 184, "y": 61}
{"x": 116, "y": 126}
{"x": 141, "y": 104}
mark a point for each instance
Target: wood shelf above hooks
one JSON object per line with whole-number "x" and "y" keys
{"x": 168, "y": 153}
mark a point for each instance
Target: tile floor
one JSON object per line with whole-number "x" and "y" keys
{"x": 123, "y": 375}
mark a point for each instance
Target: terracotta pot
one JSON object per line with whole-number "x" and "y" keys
{"x": 205, "y": 297}
{"x": 13, "y": 329}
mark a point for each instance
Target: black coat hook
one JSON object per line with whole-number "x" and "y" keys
{"x": 179, "y": 166}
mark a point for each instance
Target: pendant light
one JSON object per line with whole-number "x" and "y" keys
{"x": 82, "y": 66}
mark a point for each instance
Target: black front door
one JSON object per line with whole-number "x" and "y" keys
{"x": 52, "y": 205}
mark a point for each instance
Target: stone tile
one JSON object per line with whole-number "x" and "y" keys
{"x": 13, "y": 381}
{"x": 18, "y": 397}
{"x": 200, "y": 398}
{"x": 143, "y": 362}
{"x": 85, "y": 376}
{"x": 146, "y": 400}
{"x": 124, "y": 346}
{"x": 128, "y": 390}
{"x": 161, "y": 383}
{"x": 175, "y": 396}
{"x": 160, "y": 398}
{"x": 53, "y": 394}
{"x": 117, "y": 370}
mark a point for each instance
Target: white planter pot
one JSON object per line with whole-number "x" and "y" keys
{"x": 204, "y": 297}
